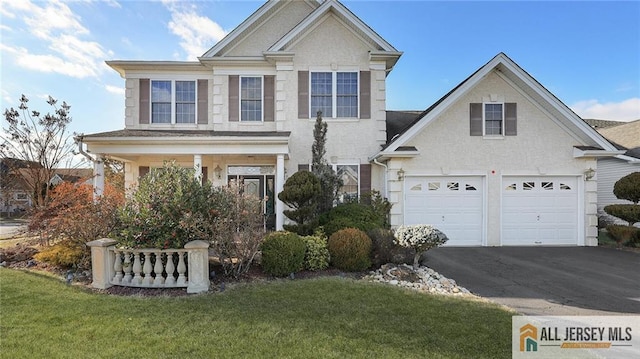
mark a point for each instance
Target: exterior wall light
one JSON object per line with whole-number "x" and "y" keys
{"x": 218, "y": 171}
{"x": 588, "y": 174}
{"x": 400, "y": 174}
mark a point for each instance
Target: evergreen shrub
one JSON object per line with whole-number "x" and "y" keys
{"x": 282, "y": 253}
{"x": 350, "y": 249}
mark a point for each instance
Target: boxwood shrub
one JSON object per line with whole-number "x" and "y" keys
{"x": 282, "y": 253}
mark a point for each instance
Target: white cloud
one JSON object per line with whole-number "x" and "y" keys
{"x": 627, "y": 110}
{"x": 57, "y": 27}
{"x": 115, "y": 89}
{"x": 198, "y": 33}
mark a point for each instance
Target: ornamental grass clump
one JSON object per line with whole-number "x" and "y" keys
{"x": 420, "y": 237}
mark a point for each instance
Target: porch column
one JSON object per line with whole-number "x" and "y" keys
{"x": 98, "y": 177}
{"x": 197, "y": 166}
{"x": 279, "y": 187}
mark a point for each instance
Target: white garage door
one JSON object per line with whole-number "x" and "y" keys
{"x": 454, "y": 205}
{"x": 539, "y": 211}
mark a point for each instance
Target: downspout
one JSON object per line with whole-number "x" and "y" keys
{"x": 386, "y": 169}
{"x": 81, "y": 150}
{"x": 98, "y": 184}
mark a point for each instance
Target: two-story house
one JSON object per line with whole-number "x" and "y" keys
{"x": 497, "y": 161}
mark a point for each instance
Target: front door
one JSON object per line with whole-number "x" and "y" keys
{"x": 260, "y": 186}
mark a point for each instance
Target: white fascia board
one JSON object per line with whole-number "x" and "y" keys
{"x": 629, "y": 159}
{"x": 123, "y": 67}
{"x": 239, "y": 29}
{"x": 451, "y": 99}
{"x": 183, "y": 139}
{"x": 556, "y": 103}
{"x": 230, "y": 148}
{"x": 386, "y": 155}
{"x": 578, "y": 153}
{"x": 246, "y": 71}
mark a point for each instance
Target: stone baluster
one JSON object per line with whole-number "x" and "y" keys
{"x": 137, "y": 268}
{"x": 126, "y": 267}
{"x": 170, "y": 269}
{"x": 182, "y": 280}
{"x": 157, "y": 269}
{"x": 147, "y": 268}
{"x": 117, "y": 267}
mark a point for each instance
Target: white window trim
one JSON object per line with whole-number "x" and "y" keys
{"x": 173, "y": 103}
{"x": 484, "y": 121}
{"x": 261, "y": 98}
{"x": 334, "y": 93}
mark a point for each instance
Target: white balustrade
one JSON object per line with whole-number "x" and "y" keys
{"x": 151, "y": 268}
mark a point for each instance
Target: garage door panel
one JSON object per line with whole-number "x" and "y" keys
{"x": 454, "y": 205}
{"x": 539, "y": 210}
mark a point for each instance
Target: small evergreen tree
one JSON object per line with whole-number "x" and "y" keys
{"x": 301, "y": 192}
{"x": 330, "y": 183}
{"x": 627, "y": 188}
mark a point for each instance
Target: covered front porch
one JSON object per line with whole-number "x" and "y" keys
{"x": 256, "y": 161}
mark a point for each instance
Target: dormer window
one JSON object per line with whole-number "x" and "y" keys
{"x": 173, "y": 101}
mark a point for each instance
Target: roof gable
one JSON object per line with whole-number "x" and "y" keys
{"x": 270, "y": 15}
{"x": 530, "y": 88}
{"x": 345, "y": 15}
{"x": 250, "y": 25}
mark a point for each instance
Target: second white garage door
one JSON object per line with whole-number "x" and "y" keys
{"x": 454, "y": 205}
{"x": 540, "y": 211}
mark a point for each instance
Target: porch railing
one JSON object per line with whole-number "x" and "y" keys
{"x": 150, "y": 268}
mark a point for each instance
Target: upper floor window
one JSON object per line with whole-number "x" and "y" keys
{"x": 493, "y": 119}
{"x": 251, "y": 98}
{"x": 173, "y": 101}
{"x": 334, "y": 93}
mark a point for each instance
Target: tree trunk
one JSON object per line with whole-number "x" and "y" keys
{"x": 416, "y": 260}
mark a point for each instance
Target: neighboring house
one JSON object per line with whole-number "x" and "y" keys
{"x": 611, "y": 169}
{"x": 15, "y": 193}
{"x": 497, "y": 161}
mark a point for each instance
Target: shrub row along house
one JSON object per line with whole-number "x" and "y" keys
{"x": 497, "y": 161}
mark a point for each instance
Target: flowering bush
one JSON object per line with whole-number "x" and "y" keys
{"x": 420, "y": 237}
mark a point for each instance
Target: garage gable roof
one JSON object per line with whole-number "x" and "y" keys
{"x": 529, "y": 87}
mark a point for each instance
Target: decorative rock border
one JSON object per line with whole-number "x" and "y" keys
{"x": 424, "y": 279}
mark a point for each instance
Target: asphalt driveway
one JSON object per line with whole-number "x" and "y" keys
{"x": 546, "y": 280}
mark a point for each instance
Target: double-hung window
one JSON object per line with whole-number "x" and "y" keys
{"x": 335, "y": 94}
{"x": 493, "y": 119}
{"x": 173, "y": 101}
{"x": 350, "y": 176}
{"x": 251, "y": 98}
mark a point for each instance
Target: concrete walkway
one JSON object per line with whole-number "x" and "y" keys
{"x": 546, "y": 280}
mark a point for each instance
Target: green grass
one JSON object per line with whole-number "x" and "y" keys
{"x": 319, "y": 318}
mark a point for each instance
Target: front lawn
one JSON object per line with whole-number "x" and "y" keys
{"x": 41, "y": 317}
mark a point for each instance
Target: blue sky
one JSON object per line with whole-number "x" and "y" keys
{"x": 586, "y": 53}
